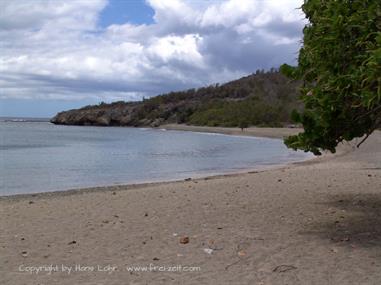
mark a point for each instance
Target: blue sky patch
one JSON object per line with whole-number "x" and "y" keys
{"x": 122, "y": 11}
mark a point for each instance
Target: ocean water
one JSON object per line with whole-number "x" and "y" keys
{"x": 41, "y": 157}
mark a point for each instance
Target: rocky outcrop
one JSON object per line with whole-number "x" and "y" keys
{"x": 117, "y": 114}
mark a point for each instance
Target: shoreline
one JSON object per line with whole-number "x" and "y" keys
{"x": 271, "y": 133}
{"x": 133, "y": 186}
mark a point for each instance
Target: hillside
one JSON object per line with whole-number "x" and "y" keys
{"x": 261, "y": 99}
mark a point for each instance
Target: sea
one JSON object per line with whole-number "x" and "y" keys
{"x": 37, "y": 156}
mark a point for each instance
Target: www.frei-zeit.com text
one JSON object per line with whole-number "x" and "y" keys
{"x": 108, "y": 268}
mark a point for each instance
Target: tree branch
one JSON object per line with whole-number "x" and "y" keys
{"x": 364, "y": 139}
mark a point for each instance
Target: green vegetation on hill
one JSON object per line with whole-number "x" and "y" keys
{"x": 261, "y": 99}
{"x": 249, "y": 111}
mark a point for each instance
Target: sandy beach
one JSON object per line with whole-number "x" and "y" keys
{"x": 257, "y": 132}
{"x": 315, "y": 222}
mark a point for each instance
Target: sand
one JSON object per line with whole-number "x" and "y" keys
{"x": 316, "y": 222}
{"x": 252, "y": 131}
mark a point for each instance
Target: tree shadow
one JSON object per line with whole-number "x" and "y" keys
{"x": 352, "y": 220}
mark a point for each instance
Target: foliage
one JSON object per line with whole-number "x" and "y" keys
{"x": 263, "y": 99}
{"x": 340, "y": 65}
{"x": 250, "y": 111}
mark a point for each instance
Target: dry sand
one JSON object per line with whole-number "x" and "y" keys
{"x": 317, "y": 222}
{"x": 252, "y": 131}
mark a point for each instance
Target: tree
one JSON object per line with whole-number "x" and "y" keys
{"x": 340, "y": 65}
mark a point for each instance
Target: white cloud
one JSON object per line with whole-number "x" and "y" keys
{"x": 181, "y": 48}
{"x": 50, "y": 14}
{"x": 55, "y": 50}
{"x": 230, "y": 13}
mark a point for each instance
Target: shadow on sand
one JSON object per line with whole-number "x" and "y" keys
{"x": 352, "y": 220}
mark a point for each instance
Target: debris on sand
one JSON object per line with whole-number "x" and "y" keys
{"x": 184, "y": 240}
{"x": 208, "y": 250}
{"x": 283, "y": 268}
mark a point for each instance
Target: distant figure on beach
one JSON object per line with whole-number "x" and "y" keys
{"x": 243, "y": 125}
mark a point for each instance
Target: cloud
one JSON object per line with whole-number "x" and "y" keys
{"x": 56, "y": 50}
{"x": 42, "y": 14}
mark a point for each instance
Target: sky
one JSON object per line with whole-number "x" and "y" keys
{"x": 63, "y": 54}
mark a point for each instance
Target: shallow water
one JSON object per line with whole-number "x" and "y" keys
{"x": 41, "y": 157}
